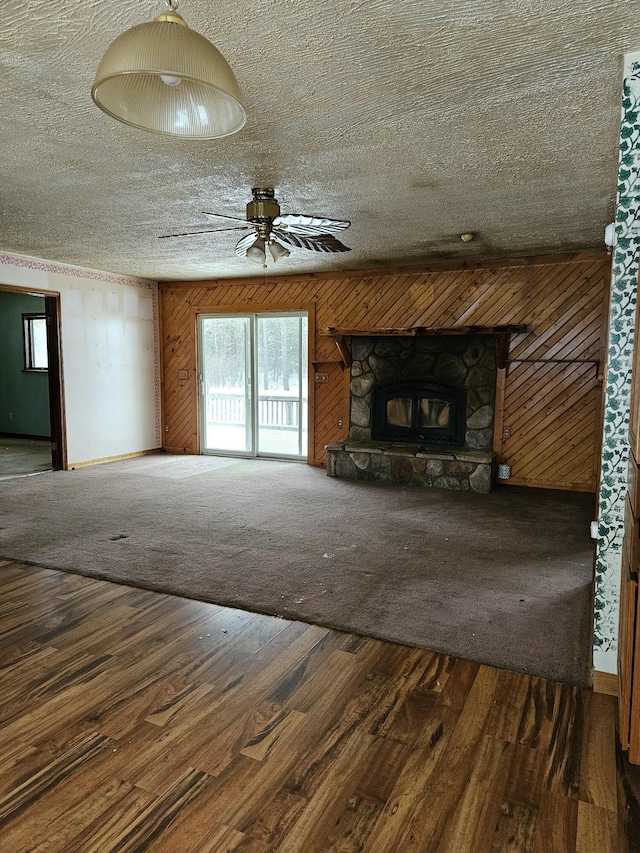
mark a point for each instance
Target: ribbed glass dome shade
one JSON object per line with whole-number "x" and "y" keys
{"x": 199, "y": 97}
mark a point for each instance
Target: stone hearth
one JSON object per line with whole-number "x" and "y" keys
{"x": 412, "y": 465}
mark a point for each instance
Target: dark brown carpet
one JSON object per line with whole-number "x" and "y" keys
{"x": 503, "y": 578}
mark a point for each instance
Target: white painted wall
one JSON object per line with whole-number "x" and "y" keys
{"x": 110, "y": 355}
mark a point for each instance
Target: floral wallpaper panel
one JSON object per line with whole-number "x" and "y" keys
{"x": 624, "y": 282}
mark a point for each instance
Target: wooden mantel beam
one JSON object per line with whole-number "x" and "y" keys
{"x": 416, "y": 331}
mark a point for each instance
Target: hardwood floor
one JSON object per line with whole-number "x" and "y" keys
{"x": 136, "y": 721}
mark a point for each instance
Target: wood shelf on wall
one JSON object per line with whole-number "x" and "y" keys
{"x": 329, "y": 362}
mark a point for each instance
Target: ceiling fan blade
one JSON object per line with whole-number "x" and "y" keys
{"x": 224, "y": 216}
{"x": 313, "y": 226}
{"x": 207, "y": 231}
{"x": 244, "y": 243}
{"x": 321, "y": 243}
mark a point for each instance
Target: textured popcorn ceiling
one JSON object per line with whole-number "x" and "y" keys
{"x": 416, "y": 120}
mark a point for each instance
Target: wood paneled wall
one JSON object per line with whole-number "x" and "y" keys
{"x": 549, "y": 399}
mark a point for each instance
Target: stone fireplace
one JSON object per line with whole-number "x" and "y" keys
{"x": 421, "y": 411}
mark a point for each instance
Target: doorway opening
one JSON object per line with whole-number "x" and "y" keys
{"x": 254, "y": 388}
{"x": 31, "y": 408}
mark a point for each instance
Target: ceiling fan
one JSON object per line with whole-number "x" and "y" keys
{"x": 272, "y": 231}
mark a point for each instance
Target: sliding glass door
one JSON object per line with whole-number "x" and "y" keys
{"x": 281, "y": 380}
{"x": 225, "y": 384}
{"x": 253, "y": 384}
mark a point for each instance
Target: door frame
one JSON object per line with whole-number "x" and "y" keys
{"x": 54, "y": 371}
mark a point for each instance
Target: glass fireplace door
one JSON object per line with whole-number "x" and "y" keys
{"x": 419, "y": 411}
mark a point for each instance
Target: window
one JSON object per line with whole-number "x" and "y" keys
{"x": 35, "y": 342}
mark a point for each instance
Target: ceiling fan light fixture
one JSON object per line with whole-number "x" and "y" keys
{"x": 256, "y": 251}
{"x": 610, "y": 235}
{"x": 166, "y": 78}
{"x": 277, "y": 250}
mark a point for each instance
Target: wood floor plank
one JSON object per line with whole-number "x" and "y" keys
{"x": 525, "y": 776}
{"x": 515, "y": 829}
{"x": 222, "y": 839}
{"x": 110, "y": 831}
{"x": 597, "y": 829}
{"x": 46, "y": 686}
{"x": 598, "y": 782}
{"x": 506, "y": 716}
{"x": 236, "y": 695}
{"x": 557, "y": 824}
{"x": 261, "y": 745}
{"x": 138, "y": 689}
{"x": 350, "y": 829}
{"x": 58, "y": 827}
{"x": 138, "y": 820}
{"x": 536, "y": 723}
{"x": 382, "y": 771}
{"x": 409, "y": 701}
{"x": 420, "y": 781}
{"x": 322, "y": 740}
{"x": 444, "y": 792}
{"x": 328, "y": 797}
{"x": 135, "y": 721}
{"x": 472, "y": 824}
{"x": 565, "y": 748}
{"x": 31, "y": 789}
{"x": 241, "y": 731}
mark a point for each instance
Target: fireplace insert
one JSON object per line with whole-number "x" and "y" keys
{"x": 419, "y": 411}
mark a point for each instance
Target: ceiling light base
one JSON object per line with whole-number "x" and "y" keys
{"x": 263, "y": 205}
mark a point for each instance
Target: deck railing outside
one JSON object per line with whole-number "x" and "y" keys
{"x": 277, "y": 411}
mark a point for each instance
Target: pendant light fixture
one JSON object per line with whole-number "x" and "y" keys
{"x": 166, "y": 78}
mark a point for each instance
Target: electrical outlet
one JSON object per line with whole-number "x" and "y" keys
{"x": 339, "y": 423}
{"x": 506, "y": 432}
{"x": 322, "y": 377}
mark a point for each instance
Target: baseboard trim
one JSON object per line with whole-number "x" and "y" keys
{"x": 605, "y": 682}
{"x": 543, "y": 484}
{"x": 73, "y": 465}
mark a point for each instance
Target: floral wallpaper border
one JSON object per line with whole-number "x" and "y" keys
{"x": 78, "y": 272}
{"x": 614, "y": 462}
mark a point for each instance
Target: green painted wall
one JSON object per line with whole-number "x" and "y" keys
{"x": 23, "y": 394}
